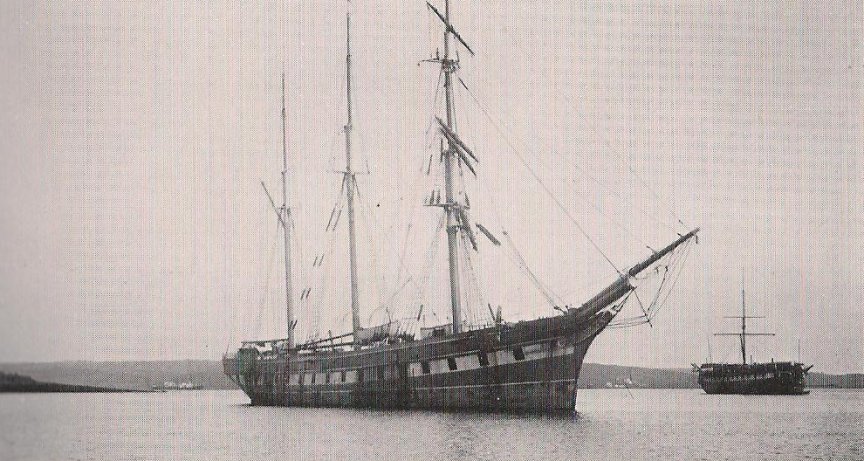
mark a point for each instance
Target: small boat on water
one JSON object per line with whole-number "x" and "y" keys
{"x": 175, "y": 386}
{"x": 772, "y": 377}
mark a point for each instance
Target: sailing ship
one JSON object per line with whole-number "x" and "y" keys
{"x": 788, "y": 378}
{"x": 526, "y": 366}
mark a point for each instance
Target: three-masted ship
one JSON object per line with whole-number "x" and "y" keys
{"x": 528, "y": 366}
{"x": 788, "y": 378}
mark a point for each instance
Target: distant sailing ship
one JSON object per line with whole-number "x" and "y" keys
{"x": 752, "y": 378}
{"x": 528, "y": 366}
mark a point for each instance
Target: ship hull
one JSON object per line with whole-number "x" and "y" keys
{"x": 780, "y": 378}
{"x": 529, "y": 367}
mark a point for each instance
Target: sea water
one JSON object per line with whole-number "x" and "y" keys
{"x": 616, "y": 424}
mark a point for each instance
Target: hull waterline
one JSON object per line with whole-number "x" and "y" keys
{"x": 773, "y": 378}
{"x": 528, "y": 367}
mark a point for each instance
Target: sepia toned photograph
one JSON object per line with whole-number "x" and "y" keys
{"x": 431, "y": 230}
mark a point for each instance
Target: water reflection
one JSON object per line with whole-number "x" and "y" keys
{"x": 221, "y": 425}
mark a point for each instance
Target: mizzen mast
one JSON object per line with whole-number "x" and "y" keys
{"x": 743, "y": 322}
{"x": 349, "y": 182}
{"x": 285, "y": 218}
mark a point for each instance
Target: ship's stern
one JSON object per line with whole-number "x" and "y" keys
{"x": 239, "y": 367}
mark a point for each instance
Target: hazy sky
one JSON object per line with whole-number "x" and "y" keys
{"x": 135, "y": 136}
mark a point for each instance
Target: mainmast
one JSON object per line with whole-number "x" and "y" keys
{"x": 285, "y": 215}
{"x": 350, "y": 185}
{"x": 451, "y": 207}
{"x": 743, "y": 335}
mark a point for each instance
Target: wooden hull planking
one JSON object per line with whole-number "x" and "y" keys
{"x": 528, "y": 367}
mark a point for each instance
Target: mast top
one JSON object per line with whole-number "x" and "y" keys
{"x": 449, "y": 26}
{"x": 743, "y": 334}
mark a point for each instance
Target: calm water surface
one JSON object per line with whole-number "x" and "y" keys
{"x": 219, "y": 425}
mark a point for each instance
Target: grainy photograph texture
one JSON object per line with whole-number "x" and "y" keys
{"x": 453, "y": 229}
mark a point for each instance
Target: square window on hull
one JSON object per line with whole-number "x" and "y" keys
{"x": 451, "y": 363}
{"x": 483, "y": 358}
{"x": 425, "y": 366}
{"x": 518, "y": 353}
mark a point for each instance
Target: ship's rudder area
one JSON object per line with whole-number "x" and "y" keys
{"x": 241, "y": 368}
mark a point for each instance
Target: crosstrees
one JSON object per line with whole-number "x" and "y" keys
{"x": 743, "y": 335}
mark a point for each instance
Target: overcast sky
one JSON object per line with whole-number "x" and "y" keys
{"x": 135, "y": 136}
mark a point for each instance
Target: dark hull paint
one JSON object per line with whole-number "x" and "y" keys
{"x": 544, "y": 380}
{"x": 760, "y": 387}
{"x": 529, "y": 366}
{"x": 781, "y": 378}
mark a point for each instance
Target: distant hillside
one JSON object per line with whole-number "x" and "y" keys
{"x": 208, "y": 375}
{"x": 595, "y": 375}
{"x": 823, "y": 380}
{"x": 127, "y": 375}
{"x": 19, "y": 383}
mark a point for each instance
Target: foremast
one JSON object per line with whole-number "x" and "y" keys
{"x": 453, "y": 209}
{"x": 457, "y": 153}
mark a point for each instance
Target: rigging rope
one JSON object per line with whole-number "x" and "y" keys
{"x": 539, "y": 181}
{"x": 593, "y": 204}
{"x": 313, "y": 301}
{"x": 430, "y": 260}
{"x": 545, "y": 291}
{"x": 266, "y": 289}
{"x": 474, "y": 278}
{"x": 380, "y": 282}
{"x": 683, "y": 259}
{"x": 432, "y": 121}
{"x": 675, "y": 261}
{"x": 415, "y": 192}
{"x": 605, "y": 140}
